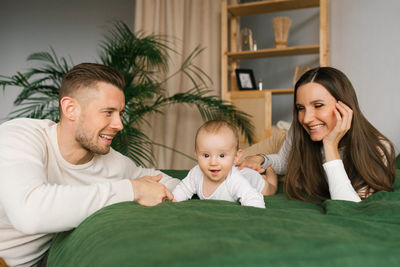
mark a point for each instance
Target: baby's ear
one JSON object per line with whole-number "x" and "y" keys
{"x": 239, "y": 154}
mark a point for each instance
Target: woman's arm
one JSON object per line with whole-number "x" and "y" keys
{"x": 340, "y": 186}
{"x": 278, "y": 161}
{"x": 339, "y": 183}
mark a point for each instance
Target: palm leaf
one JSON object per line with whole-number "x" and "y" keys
{"x": 134, "y": 144}
{"x": 143, "y": 60}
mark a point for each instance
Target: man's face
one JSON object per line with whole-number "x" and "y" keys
{"x": 100, "y": 118}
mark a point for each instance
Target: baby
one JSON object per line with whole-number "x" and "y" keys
{"x": 215, "y": 176}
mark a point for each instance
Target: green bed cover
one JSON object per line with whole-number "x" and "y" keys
{"x": 219, "y": 233}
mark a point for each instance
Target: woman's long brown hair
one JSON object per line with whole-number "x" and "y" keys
{"x": 368, "y": 156}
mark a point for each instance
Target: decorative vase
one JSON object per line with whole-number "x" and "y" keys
{"x": 281, "y": 30}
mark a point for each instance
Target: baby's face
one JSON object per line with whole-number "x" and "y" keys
{"x": 216, "y": 154}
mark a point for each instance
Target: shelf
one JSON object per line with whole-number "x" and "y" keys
{"x": 270, "y": 6}
{"x": 258, "y": 104}
{"x": 259, "y": 94}
{"x": 275, "y": 52}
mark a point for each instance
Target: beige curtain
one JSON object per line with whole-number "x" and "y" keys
{"x": 189, "y": 23}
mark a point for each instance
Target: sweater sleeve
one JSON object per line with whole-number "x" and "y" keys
{"x": 339, "y": 183}
{"x": 241, "y": 189}
{"x": 187, "y": 187}
{"x": 33, "y": 204}
{"x": 166, "y": 180}
{"x": 279, "y": 161}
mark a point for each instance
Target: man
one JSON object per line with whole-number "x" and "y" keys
{"x": 53, "y": 176}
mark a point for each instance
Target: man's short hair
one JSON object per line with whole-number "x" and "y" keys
{"x": 87, "y": 75}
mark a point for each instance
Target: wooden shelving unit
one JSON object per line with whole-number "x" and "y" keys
{"x": 261, "y": 7}
{"x": 275, "y": 52}
{"x": 258, "y": 103}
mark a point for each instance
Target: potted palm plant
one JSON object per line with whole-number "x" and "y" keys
{"x": 140, "y": 58}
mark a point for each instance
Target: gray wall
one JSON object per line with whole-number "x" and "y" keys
{"x": 364, "y": 45}
{"x": 73, "y": 28}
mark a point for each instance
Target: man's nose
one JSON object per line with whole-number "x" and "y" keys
{"x": 117, "y": 123}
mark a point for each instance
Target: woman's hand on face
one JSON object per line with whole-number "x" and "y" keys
{"x": 252, "y": 162}
{"x": 344, "y": 116}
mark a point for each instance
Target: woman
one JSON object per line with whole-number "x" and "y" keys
{"x": 336, "y": 152}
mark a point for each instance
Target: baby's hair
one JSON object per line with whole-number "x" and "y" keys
{"x": 214, "y": 126}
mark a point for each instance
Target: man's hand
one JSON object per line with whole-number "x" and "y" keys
{"x": 149, "y": 192}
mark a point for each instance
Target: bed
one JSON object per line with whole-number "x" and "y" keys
{"x": 220, "y": 233}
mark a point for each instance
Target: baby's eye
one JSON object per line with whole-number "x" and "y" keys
{"x": 206, "y": 155}
{"x": 222, "y": 156}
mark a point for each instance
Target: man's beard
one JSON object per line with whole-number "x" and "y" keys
{"x": 84, "y": 140}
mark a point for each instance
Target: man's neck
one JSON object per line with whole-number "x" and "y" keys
{"x": 70, "y": 150}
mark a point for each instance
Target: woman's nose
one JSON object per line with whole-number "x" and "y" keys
{"x": 308, "y": 116}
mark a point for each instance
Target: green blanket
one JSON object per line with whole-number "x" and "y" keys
{"x": 220, "y": 233}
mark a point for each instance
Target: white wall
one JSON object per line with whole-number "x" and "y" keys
{"x": 365, "y": 44}
{"x": 73, "y": 28}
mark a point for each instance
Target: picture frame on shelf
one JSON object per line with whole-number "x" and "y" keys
{"x": 245, "y": 79}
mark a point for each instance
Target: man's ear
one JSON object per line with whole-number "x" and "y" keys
{"x": 69, "y": 108}
{"x": 239, "y": 154}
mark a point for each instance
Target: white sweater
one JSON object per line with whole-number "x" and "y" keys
{"x": 41, "y": 193}
{"x": 234, "y": 188}
{"x": 340, "y": 186}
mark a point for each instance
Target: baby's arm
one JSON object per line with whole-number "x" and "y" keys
{"x": 241, "y": 190}
{"x": 250, "y": 197}
{"x": 266, "y": 184}
{"x": 186, "y": 188}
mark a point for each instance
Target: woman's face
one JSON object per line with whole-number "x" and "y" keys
{"x": 315, "y": 108}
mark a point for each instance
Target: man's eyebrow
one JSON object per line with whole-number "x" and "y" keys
{"x": 110, "y": 108}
